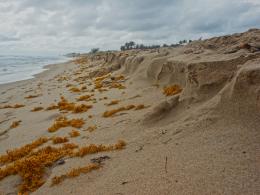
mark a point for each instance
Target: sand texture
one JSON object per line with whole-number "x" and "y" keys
{"x": 182, "y": 120}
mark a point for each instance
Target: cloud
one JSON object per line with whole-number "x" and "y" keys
{"x": 54, "y": 26}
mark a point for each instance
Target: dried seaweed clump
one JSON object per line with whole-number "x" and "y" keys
{"x": 12, "y": 106}
{"x": 64, "y": 104}
{"x": 35, "y": 109}
{"x": 139, "y": 107}
{"x": 52, "y": 107}
{"x": 110, "y": 113}
{"x": 64, "y": 122}
{"x": 84, "y": 98}
{"x": 117, "y": 85}
{"x": 15, "y": 124}
{"x": 32, "y": 96}
{"x": 99, "y": 81}
{"x": 172, "y": 90}
{"x": 74, "y": 89}
{"x": 91, "y": 128}
{"x": 113, "y": 102}
{"x": 12, "y": 155}
{"x": 59, "y": 140}
{"x": 74, "y": 133}
{"x": 92, "y": 148}
{"x": 32, "y": 166}
{"x": 74, "y": 173}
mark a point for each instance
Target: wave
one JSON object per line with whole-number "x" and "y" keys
{"x": 15, "y": 68}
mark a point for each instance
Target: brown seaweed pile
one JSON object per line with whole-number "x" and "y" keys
{"x": 74, "y": 173}
{"x": 172, "y": 90}
{"x": 30, "y": 164}
{"x": 12, "y": 106}
{"x": 64, "y": 122}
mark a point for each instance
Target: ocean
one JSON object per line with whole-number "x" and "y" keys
{"x": 15, "y": 68}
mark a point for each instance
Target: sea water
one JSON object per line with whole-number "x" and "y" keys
{"x": 15, "y": 68}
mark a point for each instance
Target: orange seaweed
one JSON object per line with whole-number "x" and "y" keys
{"x": 74, "y": 173}
{"x": 91, "y": 128}
{"x": 61, "y": 122}
{"x": 58, "y": 140}
{"x": 74, "y": 133}
{"x": 37, "y": 109}
{"x": 15, "y": 124}
{"x": 110, "y": 113}
{"x": 14, "y": 106}
{"x": 113, "y": 102}
{"x": 32, "y": 96}
{"x": 172, "y": 90}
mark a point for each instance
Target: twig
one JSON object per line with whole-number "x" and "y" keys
{"x": 165, "y": 167}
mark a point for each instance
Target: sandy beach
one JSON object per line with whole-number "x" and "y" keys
{"x": 181, "y": 120}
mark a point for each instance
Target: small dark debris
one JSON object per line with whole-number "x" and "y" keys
{"x": 244, "y": 152}
{"x": 99, "y": 159}
{"x": 124, "y": 182}
{"x": 61, "y": 162}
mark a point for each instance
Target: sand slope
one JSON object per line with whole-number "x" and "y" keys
{"x": 204, "y": 140}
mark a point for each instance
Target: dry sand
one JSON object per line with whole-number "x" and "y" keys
{"x": 204, "y": 140}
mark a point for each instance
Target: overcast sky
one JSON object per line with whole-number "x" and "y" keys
{"x": 61, "y": 26}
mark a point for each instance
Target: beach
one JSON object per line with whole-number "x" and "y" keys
{"x": 181, "y": 120}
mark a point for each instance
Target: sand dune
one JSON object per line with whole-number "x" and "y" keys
{"x": 189, "y": 116}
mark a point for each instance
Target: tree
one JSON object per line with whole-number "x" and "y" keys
{"x": 94, "y": 50}
{"x": 127, "y": 46}
{"x": 131, "y": 44}
{"x": 122, "y": 48}
{"x": 165, "y": 45}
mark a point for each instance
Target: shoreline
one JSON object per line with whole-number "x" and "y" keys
{"x": 46, "y": 69}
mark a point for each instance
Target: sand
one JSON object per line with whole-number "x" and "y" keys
{"x": 204, "y": 139}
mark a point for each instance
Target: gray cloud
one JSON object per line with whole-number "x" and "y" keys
{"x": 60, "y": 26}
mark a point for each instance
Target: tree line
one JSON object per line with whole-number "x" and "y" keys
{"x": 133, "y": 45}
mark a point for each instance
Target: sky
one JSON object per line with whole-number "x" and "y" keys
{"x": 51, "y": 27}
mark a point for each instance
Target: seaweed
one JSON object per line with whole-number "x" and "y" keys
{"x": 172, "y": 90}
{"x": 64, "y": 104}
{"x": 75, "y": 89}
{"x": 74, "y": 133}
{"x": 84, "y": 98}
{"x": 32, "y": 96}
{"x": 110, "y": 113}
{"x": 139, "y": 107}
{"x": 74, "y": 173}
{"x": 12, "y": 155}
{"x": 91, "y": 128}
{"x": 113, "y": 102}
{"x": 12, "y": 106}
{"x": 37, "y": 109}
{"x": 92, "y": 148}
{"x": 31, "y": 165}
{"x": 52, "y": 107}
{"x": 15, "y": 124}
{"x": 58, "y": 140}
{"x": 116, "y": 85}
{"x": 64, "y": 122}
